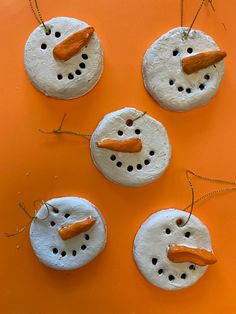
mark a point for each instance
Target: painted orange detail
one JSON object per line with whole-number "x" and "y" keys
{"x": 76, "y": 228}
{"x": 72, "y": 44}
{"x": 182, "y": 254}
{"x": 130, "y": 145}
{"x": 202, "y": 60}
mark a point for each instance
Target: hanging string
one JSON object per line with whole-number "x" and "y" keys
{"x": 194, "y": 19}
{"x": 60, "y": 131}
{"x": 87, "y": 136}
{"x": 181, "y": 13}
{"x": 38, "y": 15}
{"x": 205, "y": 196}
{"x": 31, "y": 218}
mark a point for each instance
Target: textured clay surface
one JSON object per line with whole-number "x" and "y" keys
{"x": 136, "y": 168}
{"x": 165, "y": 79}
{"x": 156, "y": 235}
{"x": 62, "y": 79}
{"x": 61, "y": 254}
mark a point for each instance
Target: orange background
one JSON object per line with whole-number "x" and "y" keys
{"x": 36, "y": 166}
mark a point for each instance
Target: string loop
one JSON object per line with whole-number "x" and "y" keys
{"x": 207, "y": 195}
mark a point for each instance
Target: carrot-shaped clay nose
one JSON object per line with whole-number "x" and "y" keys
{"x": 75, "y": 228}
{"x": 202, "y": 60}
{"x": 183, "y": 254}
{"x": 72, "y": 44}
{"x": 129, "y": 145}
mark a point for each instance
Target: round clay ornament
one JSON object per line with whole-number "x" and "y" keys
{"x": 169, "y": 254}
{"x": 66, "y": 62}
{"x": 181, "y": 72}
{"x": 130, "y": 147}
{"x": 67, "y": 233}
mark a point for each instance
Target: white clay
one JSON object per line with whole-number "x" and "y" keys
{"x": 72, "y": 253}
{"x": 62, "y": 79}
{"x": 157, "y": 234}
{"x": 165, "y": 79}
{"x": 131, "y": 168}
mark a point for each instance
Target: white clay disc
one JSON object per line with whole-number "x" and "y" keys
{"x": 159, "y": 232}
{"x": 165, "y": 79}
{"x": 62, "y": 79}
{"x": 131, "y": 168}
{"x": 72, "y": 253}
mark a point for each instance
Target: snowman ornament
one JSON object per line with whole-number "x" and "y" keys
{"x": 170, "y": 254}
{"x": 67, "y": 233}
{"x": 130, "y": 148}
{"x": 182, "y": 70}
{"x": 66, "y": 61}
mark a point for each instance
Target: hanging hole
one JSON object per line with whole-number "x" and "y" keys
{"x": 160, "y": 271}
{"x": 48, "y": 31}
{"x": 139, "y": 166}
{"x": 119, "y": 164}
{"x": 74, "y": 252}
{"x": 171, "y": 277}
{"x": 82, "y": 65}
{"x": 129, "y": 122}
{"x": 59, "y": 76}
{"x": 190, "y": 50}
{"x": 63, "y": 253}
{"x": 84, "y": 56}
{"x": 130, "y": 168}
{"x": 168, "y": 231}
{"x": 175, "y": 52}
{"x": 154, "y": 261}
{"x": 113, "y": 157}
{"x": 187, "y": 234}
{"x": 83, "y": 247}
{"x": 55, "y": 250}
{"x": 120, "y": 133}
{"x": 52, "y": 223}
{"x": 43, "y": 46}
{"x": 67, "y": 216}
{"x": 86, "y": 236}
{"x": 171, "y": 82}
{"x": 57, "y": 34}
{"x": 179, "y": 222}
{"x": 55, "y": 210}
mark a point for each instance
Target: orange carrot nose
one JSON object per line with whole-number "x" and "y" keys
{"x": 202, "y": 60}
{"x": 183, "y": 254}
{"x": 76, "y": 228}
{"x": 72, "y": 44}
{"x": 129, "y": 145}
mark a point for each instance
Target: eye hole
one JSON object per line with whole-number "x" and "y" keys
{"x": 190, "y": 50}
{"x": 84, "y": 56}
{"x": 175, "y": 52}
{"x": 137, "y": 131}
{"x": 187, "y": 234}
{"x": 154, "y": 261}
{"x": 52, "y": 223}
{"x": 67, "y": 215}
{"x": 82, "y": 65}
{"x": 86, "y": 236}
{"x": 55, "y": 250}
{"x": 57, "y": 34}
{"x": 120, "y": 133}
{"x": 43, "y": 46}
{"x": 168, "y": 231}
